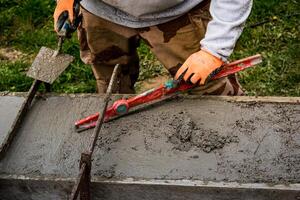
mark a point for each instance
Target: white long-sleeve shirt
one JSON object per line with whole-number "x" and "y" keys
{"x": 228, "y": 17}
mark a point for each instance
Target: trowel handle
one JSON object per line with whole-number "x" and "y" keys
{"x": 59, "y": 46}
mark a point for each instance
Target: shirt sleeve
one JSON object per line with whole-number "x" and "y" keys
{"x": 226, "y": 26}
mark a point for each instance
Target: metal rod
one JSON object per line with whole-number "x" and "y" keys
{"x": 82, "y": 183}
{"x": 59, "y": 46}
{"x": 19, "y": 118}
{"x": 78, "y": 182}
{"x": 104, "y": 107}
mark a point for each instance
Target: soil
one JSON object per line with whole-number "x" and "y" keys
{"x": 10, "y": 54}
{"x": 201, "y": 139}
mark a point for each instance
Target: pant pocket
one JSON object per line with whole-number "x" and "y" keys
{"x": 199, "y": 18}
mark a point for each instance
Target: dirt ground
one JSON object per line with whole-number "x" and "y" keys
{"x": 199, "y": 139}
{"x": 11, "y": 54}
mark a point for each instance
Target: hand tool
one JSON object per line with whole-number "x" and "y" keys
{"x": 170, "y": 88}
{"x": 46, "y": 67}
{"x": 82, "y": 183}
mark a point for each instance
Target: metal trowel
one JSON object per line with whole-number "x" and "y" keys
{"x": 49, "y": 64}
{"x": 46, "y": 67}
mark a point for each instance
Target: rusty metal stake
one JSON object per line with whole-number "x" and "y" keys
{"x": 85, "y": 193}
{"x": 83, "y": 181}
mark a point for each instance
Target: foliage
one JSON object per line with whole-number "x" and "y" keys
{"x": 273, "y": 31}
{"x": 14, "y": 77}
{"x": 149, "y": 65}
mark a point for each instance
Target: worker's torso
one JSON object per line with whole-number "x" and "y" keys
{"x": 142, "y": 7}
{"x": 139, "y": 13}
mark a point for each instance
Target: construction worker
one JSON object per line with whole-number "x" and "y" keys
{"x": 194, "y": 37}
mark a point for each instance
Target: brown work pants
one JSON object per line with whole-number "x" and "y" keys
{"x": 104, "y": 44}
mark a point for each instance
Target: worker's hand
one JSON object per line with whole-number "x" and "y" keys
{"x": 63, "y": 11}
{"x": 198, "y": 67}
{"x": 66, "y": 16}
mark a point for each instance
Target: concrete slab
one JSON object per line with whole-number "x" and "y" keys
{"x": 9, "y": 107}
{"x": 206, "y": 139}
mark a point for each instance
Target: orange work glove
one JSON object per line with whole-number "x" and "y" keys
{"x": 61, "y": 7}
{"x": 198, "y": 67}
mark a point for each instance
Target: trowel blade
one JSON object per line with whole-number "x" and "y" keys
{"x": 47, "y": 67}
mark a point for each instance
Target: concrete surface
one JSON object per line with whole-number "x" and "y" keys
{"x": 9, "y": 106}
{"x": 207, "y": 139}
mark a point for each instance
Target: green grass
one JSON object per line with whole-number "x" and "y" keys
{"x": 278, "y": 42}
{"x": 27, "y": 25}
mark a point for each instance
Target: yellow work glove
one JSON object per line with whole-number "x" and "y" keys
{"x": 198, "y": 67}
{"x": 66, "y": 8}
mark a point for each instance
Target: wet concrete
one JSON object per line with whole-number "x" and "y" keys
{"x": 197, "y": 139}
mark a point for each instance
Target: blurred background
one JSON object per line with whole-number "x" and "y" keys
{"x": 273, "y": 30}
